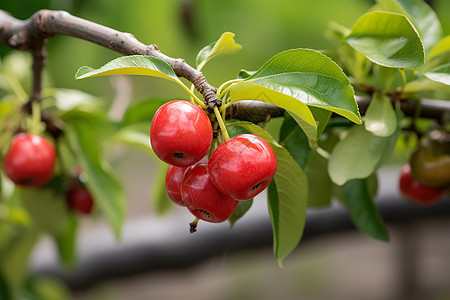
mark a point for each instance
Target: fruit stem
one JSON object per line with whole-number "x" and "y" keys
{"x": 222, "y": 90}
{"x": 35, "y": 127}
{"x": 221, "y": 123}
{"x": 402, "y": 72}
{"x": 193, "y": 225}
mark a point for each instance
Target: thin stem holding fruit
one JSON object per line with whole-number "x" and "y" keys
{"x": 193, "y": 225}
{"x": 221, "y": 123}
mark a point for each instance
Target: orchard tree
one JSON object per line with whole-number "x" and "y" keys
{"x": 344, "y": 113}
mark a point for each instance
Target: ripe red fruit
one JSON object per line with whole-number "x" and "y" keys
{"x": 415, "y": 191}
{"x": 80, "y": 199}
{"x": 243, "y": 166}
{"x": 202, "y": 198}
{"x": 181, "y": 133}
{"x": 30, "y": 160}
{"x": 174, "y": 177}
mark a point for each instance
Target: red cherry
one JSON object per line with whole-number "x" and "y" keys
{"x": 415, "y": 191}
{"x": 80, "y": 199}
{"x": 30, "y": 160}
{"x": 180, "y": 133}
{"x": 174, "y": 177}
{"x": 202, "y": 198}
{"x": 243, "y": 166}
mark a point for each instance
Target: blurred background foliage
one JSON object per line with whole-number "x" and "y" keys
{"x": 182, "y": 27}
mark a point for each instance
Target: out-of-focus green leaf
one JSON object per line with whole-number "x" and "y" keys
{"x": 356, "y": 155}
{"x": 161, "y": 200}
{"x": 421, "y": 15}
{"x": 142, "y": 111}
{"x": 387, "y": 39}
{"x": 66, "y": 242}
{"x": 319, "y": 182}
{"x": 14, "y": 262}
{"x": 136, "y": 135}
{"x": 241, "y": 209}
{"x": 380, "y": 118}
{"x": 224, "y": 45}
{"x": 362, "y": 209}
{"x": 48, "y": 209}
{"x": 101, "y": 182}
{"x": 69, "y": 99}
{"x": 440, "y": 74}
{"x": 288, "y": 194}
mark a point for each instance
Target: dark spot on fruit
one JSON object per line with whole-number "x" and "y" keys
{"x": 179, "y": 155}
{"x": 256, "y": 186}
{"x": 205, "y": 214}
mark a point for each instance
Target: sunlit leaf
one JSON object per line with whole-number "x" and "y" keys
{"x": 380, "y": 116}
{"x": 288, "y": 194}
{"x": 387, "y": 39}
{"x": 421, "y": 15}
{"x": 225, "y": 45}
{"x": 134, "y": 65}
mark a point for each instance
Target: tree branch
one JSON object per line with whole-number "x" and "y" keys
{"x": 44, "y": 24}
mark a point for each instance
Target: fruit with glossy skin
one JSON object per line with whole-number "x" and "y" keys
{"x": 180, "y": 133}
{"x": 243, "y": 166}
{"x": 174, "y": 176}
{"x": 430, "y": 166}
{"x": 30, "y": 160}
{"x": 80, "y": 199}
{"x": 415, "y": 191}
{"x": 202, "y": 198}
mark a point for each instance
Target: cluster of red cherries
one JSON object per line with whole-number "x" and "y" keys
{"x": 30, "y": 162}
{"x": 211, "y": 187}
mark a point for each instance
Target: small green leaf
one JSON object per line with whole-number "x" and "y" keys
{"x": 356, "y": 155}
{"x": 241, "y": 209}
{"x": 288, "y": 194}
{"x": 387, "y": 39}
{"x": 380, "y": 116}
{"x": 134, "y": 65}
{"x": 68, "y": 99}
{"x": 440, "y": 74}
{"x": 102, "y": 183}
{"x": 421, "y": 15}
{"x": 362, "y": 209}
{"x": 225, "y": 45}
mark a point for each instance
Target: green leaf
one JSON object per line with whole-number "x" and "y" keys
{"x": 362, "y": 209}
{"x": 295, "y": 141}
{"x": 225, "y": 45}
{"x": 440, "y": 74}
{"x": 66, "y": 242}
{"x": 421, "y": 15}
{"x": 440, "y": 51}
{"x": 387, "y": 39}
{"x": 68, "y": 99}
{"x": 14, "y": 262}
{"x": 102, "y": 183}
{"x": 288, "y": 194}
{"x": 142, "y": 111}
{"x": 356, "y": 155}
{"x": 161, "y": 200}
{"x": 304, "y": 76}
{"x": 241, "y": 209}
{"x": 134, "y": 65}
{"x": 380, "y": 118}
{"x": 136, "y": 135}
{"x": 47, "y": 207}
{"x": 319, "y": 183}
